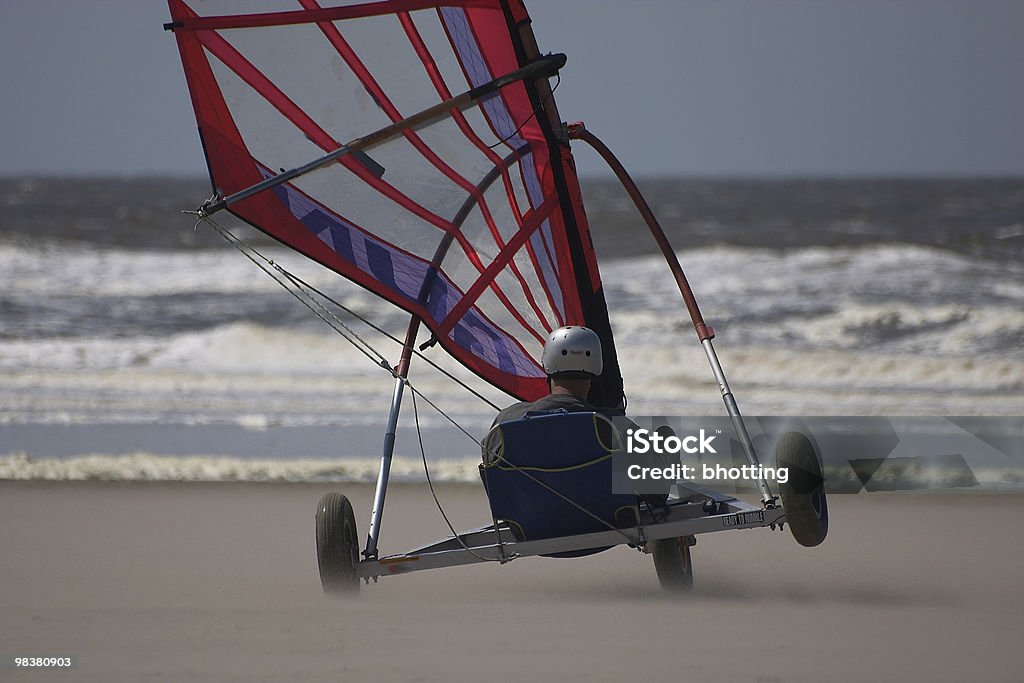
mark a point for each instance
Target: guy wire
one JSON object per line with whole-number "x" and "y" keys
{"x": 433, "y": 493}
{"x": 299, "y": 291}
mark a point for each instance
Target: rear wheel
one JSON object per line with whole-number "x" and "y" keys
{"x": 673, "y": 563}
{"x": 337, "y": 545}
{"x": 803, "y": 494}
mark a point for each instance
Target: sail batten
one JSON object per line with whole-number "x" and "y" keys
{"x": 470, "y": 221}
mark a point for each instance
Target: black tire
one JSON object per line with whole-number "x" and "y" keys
{"x": 673, "y": 563}
{"x": 337, "y": 545}
{"x": 803, "y": 495}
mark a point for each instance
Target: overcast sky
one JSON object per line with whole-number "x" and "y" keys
{"x": 722, "y": 87}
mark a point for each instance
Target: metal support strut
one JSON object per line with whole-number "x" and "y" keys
{"x": 401, "y": 373}
{"x": 705, "y": 333}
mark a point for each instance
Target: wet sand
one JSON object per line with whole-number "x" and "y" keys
{"x": 218, "y": 582}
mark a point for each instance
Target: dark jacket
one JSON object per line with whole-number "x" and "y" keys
{"x": 567, "y": 402}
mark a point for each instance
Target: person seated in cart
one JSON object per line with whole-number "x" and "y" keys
{"x": 572, "y": 360}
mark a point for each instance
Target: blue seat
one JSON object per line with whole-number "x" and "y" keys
{"x": 534, "y": 464}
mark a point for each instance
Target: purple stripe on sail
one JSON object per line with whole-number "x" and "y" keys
{"x": 469, "y": 54}
{"x": 404, "y": 275}
{"x": 481, "y": 338}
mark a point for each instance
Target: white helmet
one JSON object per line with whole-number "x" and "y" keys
{"x": 573, "y": 351}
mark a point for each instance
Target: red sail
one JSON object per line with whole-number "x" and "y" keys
{"x": 473, "y": 223}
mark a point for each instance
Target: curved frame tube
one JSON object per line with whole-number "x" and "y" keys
{"x": 705, "y": 333}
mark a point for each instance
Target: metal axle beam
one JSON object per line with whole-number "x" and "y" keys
{"x": 479, "y": 545}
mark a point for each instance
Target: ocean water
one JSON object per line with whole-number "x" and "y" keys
{"x": 135, "y": 346}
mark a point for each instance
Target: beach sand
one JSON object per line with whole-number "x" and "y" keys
{"x": 218, "y": 582}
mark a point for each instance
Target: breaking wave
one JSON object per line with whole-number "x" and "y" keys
{"x": 150, "y": 467}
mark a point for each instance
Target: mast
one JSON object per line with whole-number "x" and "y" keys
{"x": 607, "y": 390}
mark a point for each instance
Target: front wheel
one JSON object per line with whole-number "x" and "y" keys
{"x": 803, "y": 494}
{"x": 337, "y": 545}
{"x": 673, "y": 563}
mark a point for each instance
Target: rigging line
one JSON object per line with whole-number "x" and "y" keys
{"x": 291, "y": 278}
{"x": 430, "y": 484}
{"x": 345, "y": 331}
{"x": 299, "y": 282}
{"x": 532, "y": 116}
{"x": 351, "y": 337}
{"x": 433, "y": 405}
